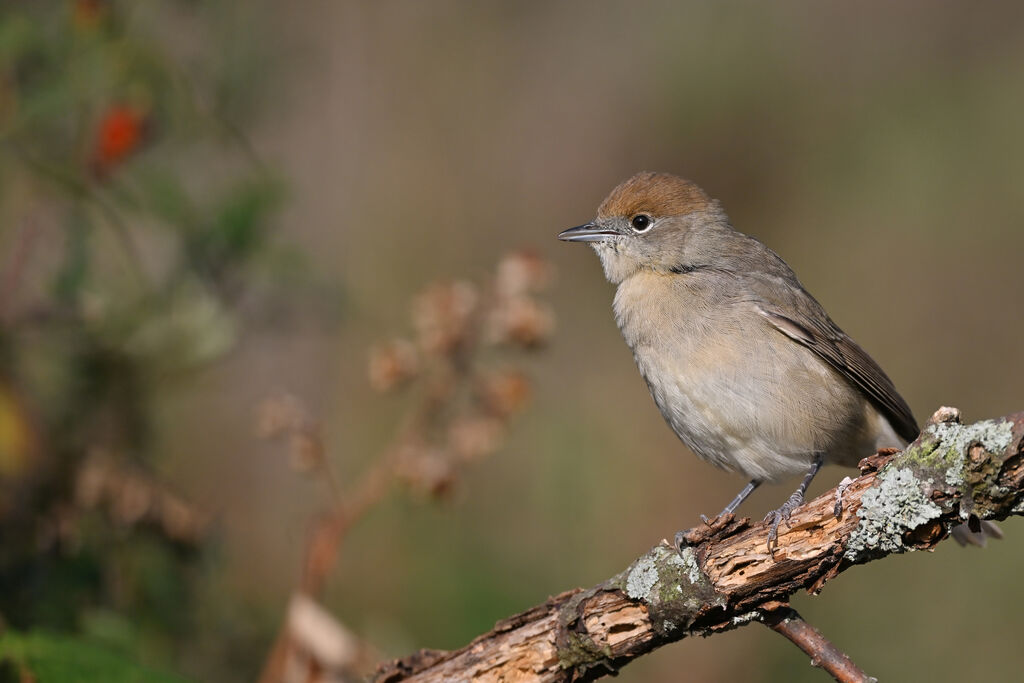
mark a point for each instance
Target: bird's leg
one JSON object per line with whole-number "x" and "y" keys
{"x": 737, "y": 501}
{"x": 680, "y": 540}
{"x": 794, "y": 501}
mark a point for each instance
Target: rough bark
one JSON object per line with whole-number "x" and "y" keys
{"x": 726, "y": 578}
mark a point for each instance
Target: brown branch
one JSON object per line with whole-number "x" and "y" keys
{"x": 726, "y": 578}
{"x": 822, "y": 652}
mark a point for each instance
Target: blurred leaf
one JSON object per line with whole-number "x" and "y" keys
{"x": 238, "y": 228}
{"x": 50, "y": 658}
{"x": 194, "y": 327}
{"x": 242, "y": 218}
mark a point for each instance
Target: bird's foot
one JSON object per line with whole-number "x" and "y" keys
{"x": 776, "y": 517}
{"x": 680, "y": 543}
{"x": 702, "y": 532}
{"x": 840, "y": 490}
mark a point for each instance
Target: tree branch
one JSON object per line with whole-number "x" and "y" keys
{"x": 726, "y": 577}
{"x": 822, "y": 652}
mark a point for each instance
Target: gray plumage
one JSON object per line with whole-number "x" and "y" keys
{"x": 744, "y": 364}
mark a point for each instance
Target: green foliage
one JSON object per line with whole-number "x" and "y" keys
{"x": 50, "y": 658}
{"x": 238, "y": 226}
{"x": 133, "y": 217}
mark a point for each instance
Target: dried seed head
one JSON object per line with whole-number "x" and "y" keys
{"x": 179, "y": 520}
{"x": 441, "y": 316}
{"x": 475, "y": 437}
{"x": 504, "y": 393}
{"x": 279, "y": 415}
{"x": 305, "y": 452}
{"x": 521, "y": 272}
{"x": 132, "y": 497}
{"x": 428, "y": 470}
{"x": 521, "y": 321}
{"x": 392, "y": 365}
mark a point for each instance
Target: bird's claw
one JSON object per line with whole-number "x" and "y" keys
{"x": 840, "y": 490}
{"x": 690, "y": 538}
{"x": 680, "y": 542}
{"x": 776, "y": 517}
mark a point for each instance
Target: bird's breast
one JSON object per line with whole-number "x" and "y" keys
{"x": 736, "y": 391}
{"x": 682, "y": 341}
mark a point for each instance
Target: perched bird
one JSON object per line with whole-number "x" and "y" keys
{"x": 745, "y": 365}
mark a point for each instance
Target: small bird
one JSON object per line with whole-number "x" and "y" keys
{"x": 745, "y": 365}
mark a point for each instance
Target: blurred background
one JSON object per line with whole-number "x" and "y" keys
{"x": 219, "y": 221}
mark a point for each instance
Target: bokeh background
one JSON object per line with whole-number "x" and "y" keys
{"x": 206, "y": 204}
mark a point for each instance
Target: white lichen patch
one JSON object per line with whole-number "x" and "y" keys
{"x": 955, "y": 473}
{"x": 745, "y": 618}
{"x": 994, "y": 436}
{"x": 688, "y": 561}
{"x": 890, "y": 508}
{"x": 641, "y": 579}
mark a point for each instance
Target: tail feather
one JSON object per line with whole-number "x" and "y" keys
{"x": 964, "y": 535}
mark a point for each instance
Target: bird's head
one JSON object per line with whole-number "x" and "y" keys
{"x": 647, "y": 223}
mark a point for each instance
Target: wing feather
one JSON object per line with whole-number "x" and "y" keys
{"x": 831, "y": 344}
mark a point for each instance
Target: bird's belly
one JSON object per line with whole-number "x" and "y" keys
{"x": 753, "y": 407}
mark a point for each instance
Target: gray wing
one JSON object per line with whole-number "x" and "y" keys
{"x": 822, "y": 336}
{"x": 772, "y": 287}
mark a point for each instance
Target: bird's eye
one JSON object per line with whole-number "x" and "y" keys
{"x": 641, "y": 222}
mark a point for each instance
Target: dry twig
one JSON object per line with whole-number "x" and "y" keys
{"x": 823, "y": 653}
{"x": 463, "y": 412}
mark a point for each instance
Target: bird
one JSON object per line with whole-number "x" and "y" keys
{"x": 744, "y": 364}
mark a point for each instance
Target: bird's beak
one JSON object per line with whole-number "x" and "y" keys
{"x": 586, "y": 233}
